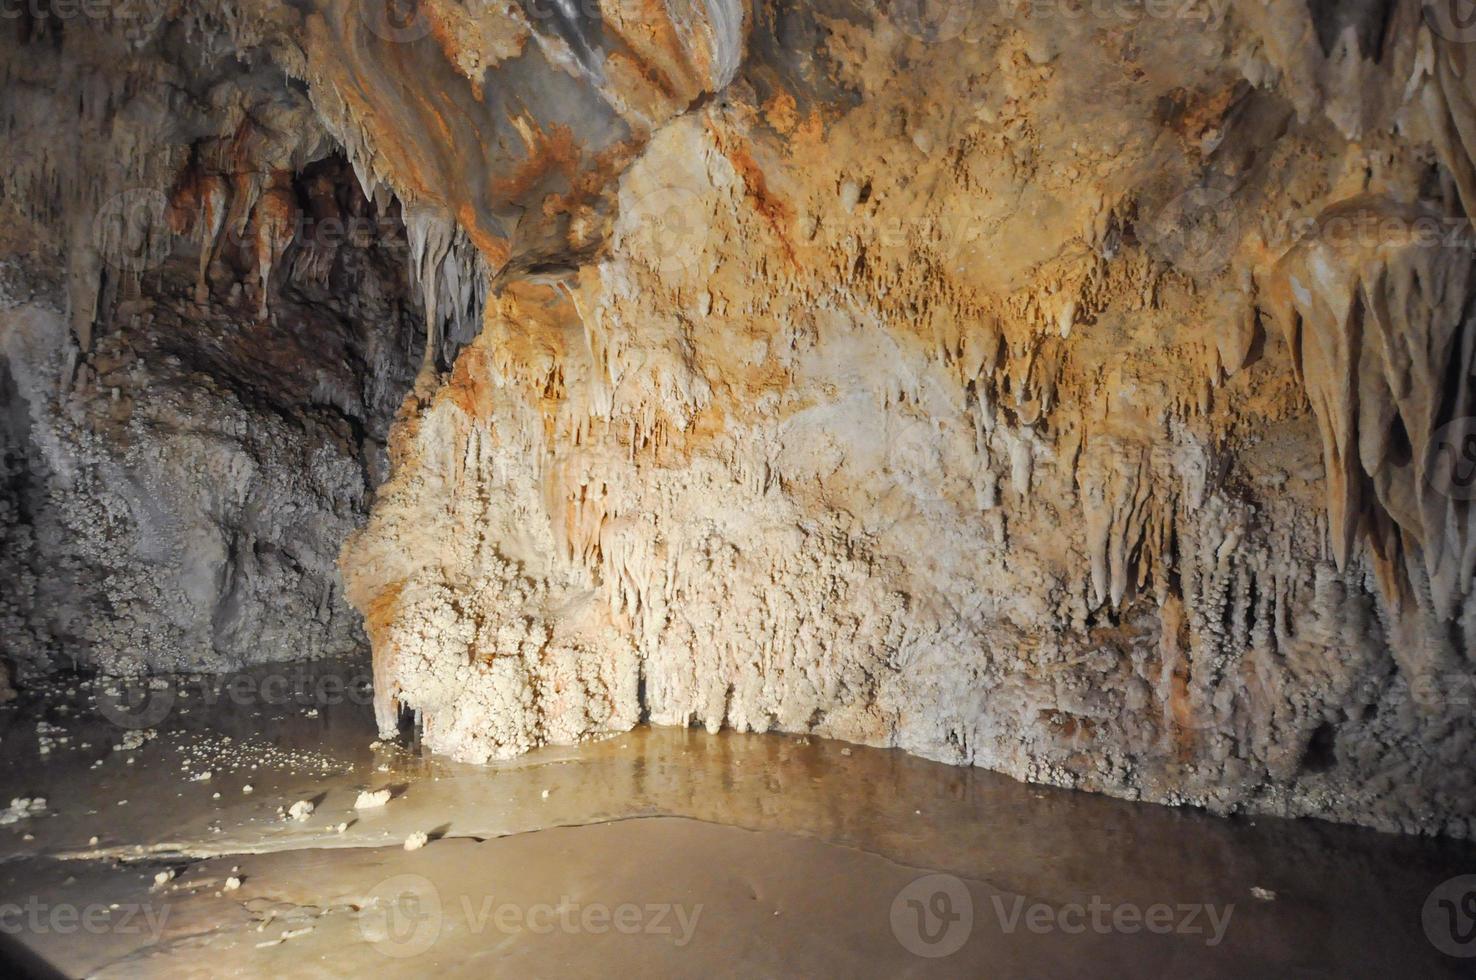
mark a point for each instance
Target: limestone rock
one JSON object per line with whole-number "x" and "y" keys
{"x": 1088, "y": 401}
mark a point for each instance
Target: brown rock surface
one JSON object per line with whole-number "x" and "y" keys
{"x": 1083, "y": 392}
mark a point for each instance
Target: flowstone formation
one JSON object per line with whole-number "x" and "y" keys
{"x": 1080, "y": 391}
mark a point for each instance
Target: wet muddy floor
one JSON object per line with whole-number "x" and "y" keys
{"x": 208, "y": 828}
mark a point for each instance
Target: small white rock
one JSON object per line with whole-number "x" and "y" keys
{"x": 301, "y": 810}
{"x": 368, "y": 801}
{"x": 416, "y": 841}
{"x": 232, "y": 883}
{"x": 1263, "y": 894}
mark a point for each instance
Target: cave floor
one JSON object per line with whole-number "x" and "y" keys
{"x": 663, "y": 852}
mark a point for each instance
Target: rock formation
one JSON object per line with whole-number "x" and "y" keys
{"x": 1083, "y": 391}
{"x": 205, "y": 331}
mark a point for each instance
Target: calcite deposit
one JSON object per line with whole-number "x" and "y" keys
{"x": 1082, "y": 391}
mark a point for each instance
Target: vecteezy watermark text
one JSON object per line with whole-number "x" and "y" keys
{"x": 933, "y": 917}
{"x": 1202, "y": 12}
{"x": 151, "y": 11}
{"x": 36, "y": 917}
{"x": 1099, "y": 916}
{"x": 142, "y": 702}
{"x": 405, "y": 915}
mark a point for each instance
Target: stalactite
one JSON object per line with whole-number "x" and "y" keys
{"x": 846, "y": 389}
{"x": 1382, "y": 323}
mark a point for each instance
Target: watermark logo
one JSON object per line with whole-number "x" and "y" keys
{"x": 933, "y": 916}
{"x": 1450, "y": 460}
{"x": 1449, "y": 916}
{"x": 1454, "y": 20}
{"x": 1196, "y": 231}
{"x": 1206, "y": 13}
{"x": 395, "y": 21}
{"x": 931, "y": 20}
{"x": 1443, "y": 690}
{"x": 671, "y": 225}
{"x": 132, "y": 230}
{"x": 135, "y": 702}
{"x": 916, "y": 462}
{"x": 403, "y": 916}
{"x": 1102, "y": 917}
{"x": 139, "y": 17}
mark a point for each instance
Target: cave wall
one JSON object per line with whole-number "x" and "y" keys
{"x": 206, "y": 329}
{"x": 1078, "y": 391}
{"x": 1067, "y": 399}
